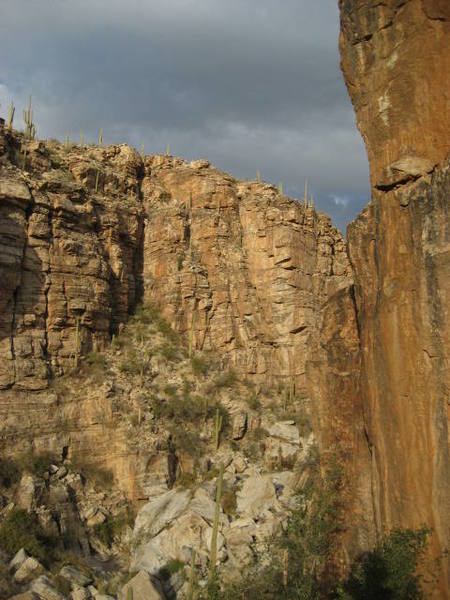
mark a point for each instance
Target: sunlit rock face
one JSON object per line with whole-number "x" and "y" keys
{"x": 395, "y": 56}
{"x": 396, "y": 62}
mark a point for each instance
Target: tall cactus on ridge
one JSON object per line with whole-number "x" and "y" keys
{"x": 30, "y": 129}
{"x": 12, "y": 110}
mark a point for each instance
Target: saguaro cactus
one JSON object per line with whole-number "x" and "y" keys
{"x": 12, "y": 110}
{"x": 218, "y": 422}
{"x": 306, "y": 192}
{"x": 213, "y": 554}
{"x": 30, "y": 129}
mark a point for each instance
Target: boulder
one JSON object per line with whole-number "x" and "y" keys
{"x": 144, "y": 588}
{"x": 28, "y": 569}
{"x": 19, "y": 558}
{"x": 256, "y": 496}
{"x": 30, "y": 491}
{"x": 160, "y": 512}
{"x": 45, "y": 590}
{"x": 75, "y": 576}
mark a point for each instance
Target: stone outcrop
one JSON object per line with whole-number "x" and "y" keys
{"x": 396, "y": 62}
{"x": 69, "y": 260}
{"x": 395, "y": 56}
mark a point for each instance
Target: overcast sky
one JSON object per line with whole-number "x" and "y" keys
{"x": 249, "y": 84}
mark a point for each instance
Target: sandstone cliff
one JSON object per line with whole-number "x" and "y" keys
{"x": 396, "y": 62}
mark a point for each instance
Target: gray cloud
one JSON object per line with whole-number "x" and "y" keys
{"x": 250, "y": 85}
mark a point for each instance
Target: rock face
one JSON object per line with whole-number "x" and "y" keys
{"x": 241, "y": 267}
{"x": 395, "y": 56}
{"x": 396, "y": 61}
{"x": 68, "y": 258}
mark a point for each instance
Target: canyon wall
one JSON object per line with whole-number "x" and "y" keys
{"x": 236, "y": 268}
{"x": 396, "y": 62}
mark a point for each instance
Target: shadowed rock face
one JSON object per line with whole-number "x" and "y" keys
{"x": 396, "y": 62}
{"x": 395, "y": 56}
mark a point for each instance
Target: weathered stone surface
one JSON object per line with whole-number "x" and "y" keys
{"x": 396, "y": 62}
{"x": 403, "y": 299}
{"x": 18, "y": 559}
{"x": 75, "y": 576}
{"x": 143, "y": 588}
{"x": 28, "y": 569}
{"x": 395, "y": 57}
{"x": 43, "y": 587}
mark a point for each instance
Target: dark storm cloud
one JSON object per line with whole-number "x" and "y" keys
{"x": 248, "y": 84}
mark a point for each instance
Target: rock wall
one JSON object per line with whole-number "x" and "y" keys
{"x": 396, "y": 62}
{"x": 244, "y": 269}
{"x": 395, "y": 56}
{"x": 236, "y": 268}
{"x": 69, "y": 256}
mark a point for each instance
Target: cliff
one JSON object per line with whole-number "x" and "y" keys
{"x": 343, "y": 345}
{"x": 395, "y": 59}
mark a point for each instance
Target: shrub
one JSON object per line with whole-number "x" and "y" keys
{"x": 168, "y": 351}
{"x": 173, "y": 566}
{"x": 38, "y": 464}
{"x": 228, "y": 501}
{"x": 227, "y": 379}
{"x": 22, "y": 530}
{"x": 113, "y": 526}
{"x": 199, "y": 366}
{"x": 390, "y": 569}
{"x": 9, "y": 472}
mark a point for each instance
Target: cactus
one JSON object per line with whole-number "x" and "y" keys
{"x": 280, "y": 188}
{"x": 218, "y": 422}
{"x": 100, "y": 138}
{"x": 12, "y": 110}
{"x": 96, "y": 180}
{"x": 30, "y": 129}
{"x": 67, "y": 138}
{"x": 213, "y": 555}
{"x": 81, "y": 138}
{"x": 168, "y": 150}
{"x": 306, "y": 192}
{"x": 258, "y": 176}
{"x": 142, "y": 150}
{"x": 190, "y": 590}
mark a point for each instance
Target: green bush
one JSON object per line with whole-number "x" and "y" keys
{"x": 22, "y": 530}
{"x": 224, "y": 380}
{"x": 390, "y": 569}
{"x": 38, "y": 464}
{"x": 173, "y": 566}
{"x": 113, "y": 526}
{"x": 199, "y": 366}
{"x": 9, "y": 472}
